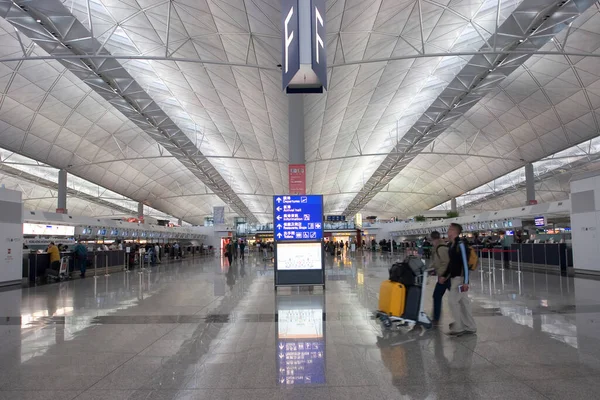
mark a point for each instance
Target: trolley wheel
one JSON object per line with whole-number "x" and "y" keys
{"x": 386, "y": 322}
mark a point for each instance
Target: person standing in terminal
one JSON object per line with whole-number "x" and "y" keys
{"x": 54, "y": 257}
{"x": 157, "y": 252}
{"x": 235, "y": 249}
{"x": 242, "y": 248}
{"x": 228, "y": 252}
{"x": 439, "y": 262}
{"x": 458, "y": 273}
{"x": 80, "y": 252}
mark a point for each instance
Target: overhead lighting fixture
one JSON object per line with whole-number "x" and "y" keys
{"x": 39, "y": 21}
{"x": 521, "y": 40}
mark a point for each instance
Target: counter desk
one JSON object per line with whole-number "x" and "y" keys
{"x": 557, "y": 255}
{"x": 35, "y": 264}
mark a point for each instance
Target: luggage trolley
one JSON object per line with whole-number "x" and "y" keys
{"x": 420, "y": 285}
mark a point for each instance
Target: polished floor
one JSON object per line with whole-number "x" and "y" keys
{"x": 198, "y": 331}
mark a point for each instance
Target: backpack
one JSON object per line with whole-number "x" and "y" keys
{"x": 437, "y": 250}
{"x": 402, "y": 273}
{"x": 472, "y": 257}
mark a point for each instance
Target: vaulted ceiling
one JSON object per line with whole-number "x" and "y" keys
{"x": 178, "y": 104}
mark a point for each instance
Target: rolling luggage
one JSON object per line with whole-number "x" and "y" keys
{"x": 392, "y": 297}
{"x": 413, "y": 303}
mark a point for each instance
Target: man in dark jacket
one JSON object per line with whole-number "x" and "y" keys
{"x": 458, "y": 273}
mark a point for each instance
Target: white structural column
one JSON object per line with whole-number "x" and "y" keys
{"x": 61, "y": 206}
{"x": 140, "y": 211}
{"x": 453, "y": 204}
{"x": 585, "y": 214}
{"x": 530, "y": 183}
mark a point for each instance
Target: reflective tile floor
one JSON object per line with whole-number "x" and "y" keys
{"x": 198, "y": 331}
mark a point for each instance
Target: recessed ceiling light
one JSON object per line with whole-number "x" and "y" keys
{"x": 38, "y": 21}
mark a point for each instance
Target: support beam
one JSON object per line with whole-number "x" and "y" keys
{"x": 453, "y": 207}
{"x": 140, "y": 211}
{"x": 297, "y": 156}
{"x": 61, "y": 206}
{"x": 530, "y": 184}
{"x": 526, "y": 28}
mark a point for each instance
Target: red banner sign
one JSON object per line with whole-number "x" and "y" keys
{"x": 297, "y": 178}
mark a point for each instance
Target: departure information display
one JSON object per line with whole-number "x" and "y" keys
{"x": 298, "y": 217}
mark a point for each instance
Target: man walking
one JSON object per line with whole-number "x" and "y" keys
{"x": 439, "y": 262}
{"x": 242, "y": 249}
{"x": 458, "y": 273}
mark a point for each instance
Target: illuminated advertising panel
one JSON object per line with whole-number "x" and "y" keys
{"x": 49, "y": 230}
{"x": 299, "y": 256}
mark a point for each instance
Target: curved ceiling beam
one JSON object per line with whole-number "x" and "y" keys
{"x": 71, "y": 57}
{"x": 50, "y": 25}
{"x": 528, "y": 28}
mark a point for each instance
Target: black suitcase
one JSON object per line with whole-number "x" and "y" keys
{"x": 413, "y": 303}
{"x": 402, "y": 273}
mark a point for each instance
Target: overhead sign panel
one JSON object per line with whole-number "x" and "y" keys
{"x": 298, "y": 217}
{"x": 304, "y": 61}
{"x": 291, "y": 40}
{"x": 319, "y": 55}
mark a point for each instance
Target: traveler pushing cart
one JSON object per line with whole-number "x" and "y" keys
{"x": 401, "y": 298}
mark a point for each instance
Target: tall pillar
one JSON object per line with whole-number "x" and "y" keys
{"x": 297, "y": 166}
{"x": 453, "y": 207}
{"x": 179, "y": 222}
{"x": 530, "y": 184}
{"x": 141, "y": 211}
{"x": 61, "y": 206}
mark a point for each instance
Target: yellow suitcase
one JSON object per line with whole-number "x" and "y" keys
{"x": 392, "y": 298}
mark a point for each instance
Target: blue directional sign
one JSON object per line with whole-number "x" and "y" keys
{"x": 298, "y": 217}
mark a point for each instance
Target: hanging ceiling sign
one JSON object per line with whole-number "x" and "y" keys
{"x": 304, "y": 59}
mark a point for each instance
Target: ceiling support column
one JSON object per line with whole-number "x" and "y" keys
{"x": 297, "y": 156}
{"x": 530, "y": 184}
{"x": 61, "y": 206}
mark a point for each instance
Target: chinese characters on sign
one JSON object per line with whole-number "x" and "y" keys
{"x": 298, "y": 217}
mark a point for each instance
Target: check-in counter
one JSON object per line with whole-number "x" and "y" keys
{"x": 557, "y": 255}
{"x": 36, "y": 264}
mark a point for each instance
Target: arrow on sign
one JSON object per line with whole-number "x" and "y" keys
{"x": 278, "y": 208}
{"x": 278, "y": 226}
{"x": 278, "y": 199}
{"x": 279, "y": 218}
{"x": 279, "y": 235}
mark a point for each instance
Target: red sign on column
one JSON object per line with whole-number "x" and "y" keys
{"x": 297, "y": 178}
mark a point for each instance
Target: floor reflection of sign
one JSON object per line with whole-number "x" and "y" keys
{"x": 300, "y": 324}
{"x": 301, "y": 362}
{"x": 295, "y": 256}
{"x": 301, "y": 347}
